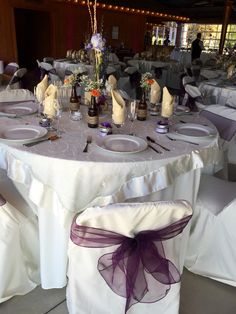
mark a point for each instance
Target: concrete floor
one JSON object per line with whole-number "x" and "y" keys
{"x": 199, "y": 295}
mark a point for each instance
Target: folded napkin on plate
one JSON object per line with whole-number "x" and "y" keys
{"x": 50, "y": 102}
{"x": 41, "y": 88}
{"x": 155, "y": 94}
{"x": 230, "y": 71}
{"x": 167, "y": 106}
{"x": 118, "y": 107}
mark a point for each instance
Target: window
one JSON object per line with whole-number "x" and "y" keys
{"x": 210, "y": 35}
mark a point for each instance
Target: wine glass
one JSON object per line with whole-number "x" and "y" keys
{"x": 58, "y": 116}
{"x": 132, "y": 115}
{"x": 39, "y": 99}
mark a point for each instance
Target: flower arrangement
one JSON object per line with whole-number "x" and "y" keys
{"x": 97, "y": 42}
{"x": 146, "y": 80}
{"x": 73, "y": 79}
{"x": 94, "y": 87}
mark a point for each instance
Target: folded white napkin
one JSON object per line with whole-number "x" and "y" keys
{"x": 167, "y": 107}
{"x": 112, "y": 82}
{"x": 41, "y": 88}
{"x": 118, "y": 107}
{"x": 155, "y": 94}
{"x": 50, "y": 102}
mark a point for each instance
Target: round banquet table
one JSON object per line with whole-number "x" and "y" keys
{"x": 62, "y": 65}
{"x": 61, "y": 180}
{"x": 220, "y": 91}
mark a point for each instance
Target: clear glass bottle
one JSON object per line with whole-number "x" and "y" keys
{"x": 142, "y": 108}
{"x": 92, "y": 117}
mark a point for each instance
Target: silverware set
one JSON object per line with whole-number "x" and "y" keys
{"x": 154, "y": 142}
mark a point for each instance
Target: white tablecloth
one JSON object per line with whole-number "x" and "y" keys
{"x": 184, "y": 57}
{"x": 61, "y": 66}
{"x": 61, "y": 180}
{"x": 219, "y": 91}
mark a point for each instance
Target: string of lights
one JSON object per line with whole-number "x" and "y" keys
{"x": 111, "y": 7}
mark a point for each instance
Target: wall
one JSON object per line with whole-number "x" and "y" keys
{"x": 69, "y": 27}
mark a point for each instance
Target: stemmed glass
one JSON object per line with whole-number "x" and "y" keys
{"x": 39, "y": 99}
{"x": 58, "y": 116}
{"x": 119, "y": 120}
{"x": 132, "y": 115}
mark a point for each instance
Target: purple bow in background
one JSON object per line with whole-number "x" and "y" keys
{"x": 138, "y": 269}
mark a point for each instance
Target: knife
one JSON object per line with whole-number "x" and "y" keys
{"x": 153, "y": 141}
{"x": 50, "y": 138}
{"x": 157, "y": 151}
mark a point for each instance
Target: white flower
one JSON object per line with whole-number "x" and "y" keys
{"x": 98, "y": 42}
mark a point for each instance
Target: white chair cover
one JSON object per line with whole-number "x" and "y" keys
{"x": 16, "y": 80}
{"x": 19, "y": 252}
{"x": 16, "y": 95}
{"x": 188, "y": 80}
{"x": 53, "y": 76}
{"x": 211, "y": 250}
{"x": 88, "y": 292}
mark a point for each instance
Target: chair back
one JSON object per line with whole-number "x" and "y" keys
{"x": 16, "y": 80}
{"x": 132, "y": 250}
{"x": 19, "y": 252}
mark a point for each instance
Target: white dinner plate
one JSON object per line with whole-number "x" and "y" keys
{"x": 193, "y": 130}
{"x": 123, "y": 144}
{"x": 19, "y": 109}
{"x": 21, "y": 134}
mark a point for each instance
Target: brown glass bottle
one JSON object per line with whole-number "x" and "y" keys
{"x": 142, "y": 108}
{"x": 92, "y": 117}
{"x": 74, "y": 104}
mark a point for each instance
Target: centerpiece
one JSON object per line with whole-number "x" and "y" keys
{"x": 93, "y": 86}
{"x": 145, "y": 83}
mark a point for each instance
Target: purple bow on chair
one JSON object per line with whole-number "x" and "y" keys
{"x": 137, "y": 270}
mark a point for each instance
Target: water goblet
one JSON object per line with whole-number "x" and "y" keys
{"x": 132, "y": 115}
{"x": 39, "y": 99}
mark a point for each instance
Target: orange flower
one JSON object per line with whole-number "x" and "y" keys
{"x": 150, "y": 81}
{"x": 95, "y": 93}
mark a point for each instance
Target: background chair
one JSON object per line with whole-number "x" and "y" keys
{"x": 98, "y": 232}
{"x": 19, "y": 252}
{"x": 47, "y": 68}
{"x": 224, "y": 119}
{"x": 7, "y": 74}
{"x": 211, "y": 250}
{"x": 16, "y": 80}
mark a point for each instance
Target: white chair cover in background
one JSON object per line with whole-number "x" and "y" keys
{"x": 16, "y": 80}
{"x": 88, "y": 292}
{"x": 19, "y": 252}
{"x": 211, "y": 250}
{"x": 16, "y": 95}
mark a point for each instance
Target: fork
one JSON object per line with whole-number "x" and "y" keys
{"x": 89, "y": 141}
{"x": 174, "y": 139}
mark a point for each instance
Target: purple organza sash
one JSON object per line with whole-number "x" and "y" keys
{"x": 137, "y": 269}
